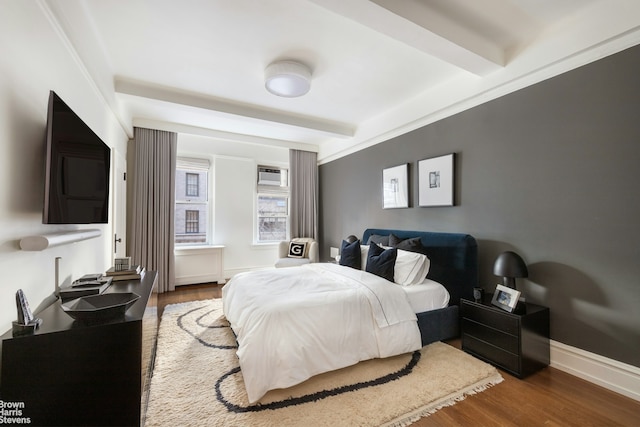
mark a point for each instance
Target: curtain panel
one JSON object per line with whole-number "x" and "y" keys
{"x": 152, "y": 242}
{"x": 303, "y": 166}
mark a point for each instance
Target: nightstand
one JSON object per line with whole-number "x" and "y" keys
{"x": 517, "y": 343}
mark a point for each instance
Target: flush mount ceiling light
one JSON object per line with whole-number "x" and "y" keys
{"x": 287, "y": 78}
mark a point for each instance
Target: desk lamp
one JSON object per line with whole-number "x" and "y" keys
{"x": 509, "y": 265}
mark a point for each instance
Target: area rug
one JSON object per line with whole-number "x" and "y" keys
{"x": 197, "y": 381}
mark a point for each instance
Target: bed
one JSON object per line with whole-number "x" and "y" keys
{"x": 298, "y": 322}
{"x": 454, "y": 264}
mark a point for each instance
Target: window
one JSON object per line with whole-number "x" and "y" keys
{"x": 273, "y": 215}
{"x": 192, "y": 186}
{"x": 272, "y": 205}
{"x": 192, "y": 222}
{"x": 192, "y": 208}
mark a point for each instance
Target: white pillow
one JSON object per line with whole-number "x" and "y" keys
{"x": 411, "y": 268}
{"x": 364, "y": 252}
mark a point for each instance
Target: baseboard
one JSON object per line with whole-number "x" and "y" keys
{"x": 199, "y": 278}
{"x": 608, "y": 373}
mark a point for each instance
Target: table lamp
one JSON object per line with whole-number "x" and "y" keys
{"x": 509, "y": 265}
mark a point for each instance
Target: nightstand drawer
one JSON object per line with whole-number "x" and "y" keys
{"x": 492, "y": 336}
{"x": 492, "y": 318}
{"x": 504, "y": 359}
{"x": 516, "y": 342}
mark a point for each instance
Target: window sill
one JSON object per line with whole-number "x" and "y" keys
{"x": 189, "y": 248}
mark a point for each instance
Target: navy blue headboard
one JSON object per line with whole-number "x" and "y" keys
{"x": 453, "y": 256}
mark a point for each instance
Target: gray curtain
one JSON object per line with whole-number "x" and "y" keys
{"x": 152, "y": 231}
{"x": 303, "y": 177}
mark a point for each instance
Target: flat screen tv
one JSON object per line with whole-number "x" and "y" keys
{"x": 76, "y": 170}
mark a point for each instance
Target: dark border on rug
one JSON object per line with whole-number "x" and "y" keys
{"x": 200, "y": 340}
{"x": 292, "y": 401}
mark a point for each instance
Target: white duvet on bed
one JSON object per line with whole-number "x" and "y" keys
{"x": 293, "y": 323}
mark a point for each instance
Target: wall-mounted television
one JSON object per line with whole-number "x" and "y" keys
{"x": 76, "y": 171}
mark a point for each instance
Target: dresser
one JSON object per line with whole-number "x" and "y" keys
{"x": 70, "y": 373}
{"x": 517, "y": 343}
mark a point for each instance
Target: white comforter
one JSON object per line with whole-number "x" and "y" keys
{"x": 293, "y": 323}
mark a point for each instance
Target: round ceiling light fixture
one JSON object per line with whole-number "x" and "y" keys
{"x": 289, "y": 79}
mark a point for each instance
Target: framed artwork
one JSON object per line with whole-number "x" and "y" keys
{"x": 395, "y": 187}
{"x": 505, "y": 298}
{"x": 435, "y": 181}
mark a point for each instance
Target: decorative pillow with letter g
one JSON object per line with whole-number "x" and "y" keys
{"x": 297, "y": 249}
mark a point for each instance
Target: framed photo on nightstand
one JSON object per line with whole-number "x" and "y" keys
{"x": 505, "y": 298}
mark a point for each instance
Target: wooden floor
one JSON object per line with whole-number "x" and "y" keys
{"x": 547, "y": 398}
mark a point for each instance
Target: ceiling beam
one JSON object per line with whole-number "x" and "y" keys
{"x": 248, "y": 112}
{"x": 409, "y": 22}
{"x": 221, "y": 135}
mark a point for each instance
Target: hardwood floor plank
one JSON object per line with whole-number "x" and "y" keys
{"x": 547, "y": 398}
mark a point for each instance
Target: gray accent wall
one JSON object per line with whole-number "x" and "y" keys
{"x": 551, "y": 172}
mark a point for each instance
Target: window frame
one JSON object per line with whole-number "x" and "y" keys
{"x": 189, "y": 221}
{"x": 205, "y": 197}
{"x": 189, "y": 185}
{"x": 271, "y": 191}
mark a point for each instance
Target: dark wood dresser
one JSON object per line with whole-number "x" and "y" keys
{"x": 71, "y": 373}
{"x": 517, "y": 343}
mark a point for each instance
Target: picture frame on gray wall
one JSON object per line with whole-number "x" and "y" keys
{"x": 395, "y": 187}
{"x": 436, "y": 181}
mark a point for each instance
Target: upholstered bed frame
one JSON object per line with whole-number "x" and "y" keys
{"x": 454, "y": 264}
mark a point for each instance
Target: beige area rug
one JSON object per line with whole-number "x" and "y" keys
{"x": 197, "y": 381}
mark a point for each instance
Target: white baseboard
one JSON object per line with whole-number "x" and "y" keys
{"x": 608, "y": 373}
{"x": 199, "y": 278}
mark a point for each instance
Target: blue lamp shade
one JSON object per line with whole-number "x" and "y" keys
{"x": 509, "y": 265}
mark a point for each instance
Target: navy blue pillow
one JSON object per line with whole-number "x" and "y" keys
{"x": 413, "y": 244}
{"x": 381, "y": 240}
{"x": 350, "y": 255}
{"x": 381, "y": 262}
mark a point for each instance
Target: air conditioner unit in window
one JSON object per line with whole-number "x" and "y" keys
{"x": 269, "y": 176}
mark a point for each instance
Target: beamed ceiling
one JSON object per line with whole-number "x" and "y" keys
{"x": 379, "y": 68}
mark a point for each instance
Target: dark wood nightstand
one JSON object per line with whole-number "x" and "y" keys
{"x": 517, "y": 343}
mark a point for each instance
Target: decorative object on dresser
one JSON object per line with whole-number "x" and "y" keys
{"x": 98, "y": 308}
{"x": 517, "y": 343}
{"x": 69, "y": 373}
{"x": 94, "y": 284}
{"x": 120, "y": 264}
{"x": 133, "y": 272}
{"x": 436, "y": 181}
{"x": 26, "y": 323}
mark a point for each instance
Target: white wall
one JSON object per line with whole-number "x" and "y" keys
{"x": 34, "y": 60}
{"x": 234, "y": 196}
